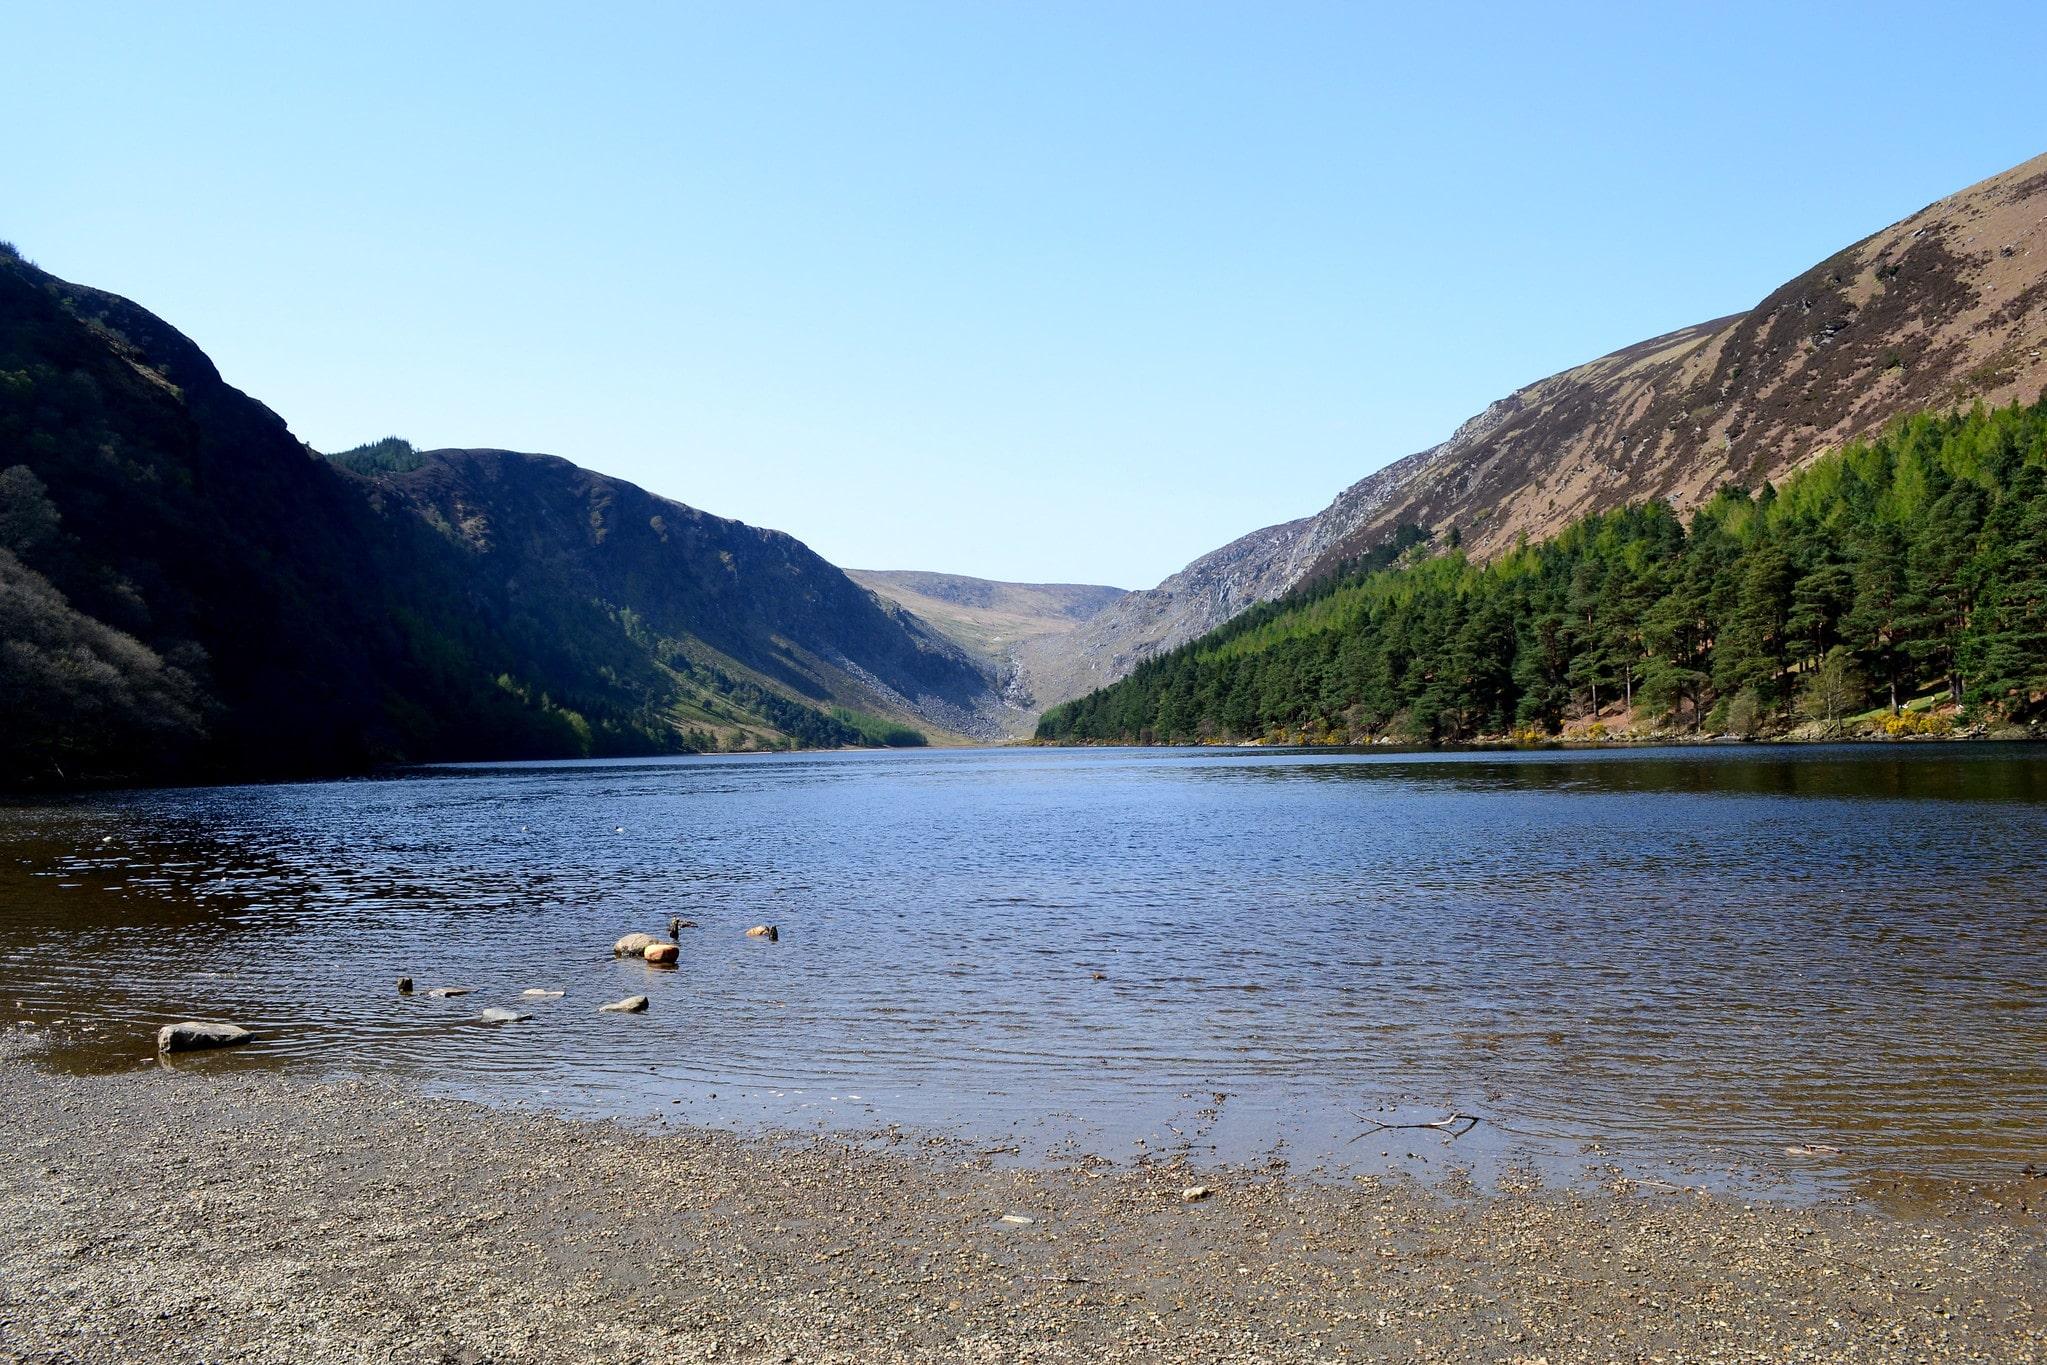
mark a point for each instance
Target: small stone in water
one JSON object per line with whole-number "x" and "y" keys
{"x": 632, "y": 1004}
{"x": 497, "y": 1014}
{"x": 540, "y": 994}
{"x": 449, "y": 992}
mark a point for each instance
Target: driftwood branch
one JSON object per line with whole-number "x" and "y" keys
{"x": 1456, "y": 1125}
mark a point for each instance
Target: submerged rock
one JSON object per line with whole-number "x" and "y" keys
{"x": 632, "y": 945}
{"x": 195, "y": 1034}
{"x": 448, "y": 992}
{"x": 661, "y": 953}
{"x": 766, "y": 931}
{"x": 632, "y": 1004}
{"x": 497, "y": 1014}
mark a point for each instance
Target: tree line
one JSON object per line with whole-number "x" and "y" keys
{"x": 1911, "y": 566}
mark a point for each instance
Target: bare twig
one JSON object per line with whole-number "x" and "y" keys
{"x": 1456, "y": 1125}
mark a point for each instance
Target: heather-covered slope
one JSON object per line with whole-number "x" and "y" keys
{"x": 1941, "y": 309}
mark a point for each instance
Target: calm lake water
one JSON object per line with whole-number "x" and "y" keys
{"x": 1677, "y": 964}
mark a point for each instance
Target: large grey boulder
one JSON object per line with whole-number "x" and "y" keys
{"x": 195, "y": 1034}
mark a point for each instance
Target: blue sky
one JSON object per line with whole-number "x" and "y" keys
{"x": 1046, "y": 291}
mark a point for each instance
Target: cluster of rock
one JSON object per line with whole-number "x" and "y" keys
{"x": 196, "y": 1034}
{"x": 649, "y": 948}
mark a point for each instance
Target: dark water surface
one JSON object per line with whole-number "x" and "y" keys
{"x": 1676, "y": 963}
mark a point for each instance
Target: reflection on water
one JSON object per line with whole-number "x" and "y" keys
{"x": 1663, "y": 957}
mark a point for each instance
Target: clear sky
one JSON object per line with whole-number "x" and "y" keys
{"x": 1039, "y": 291}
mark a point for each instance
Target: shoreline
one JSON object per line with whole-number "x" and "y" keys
{"x": 174, "y": 1215}
{"x": 1502, "y": 744}
{"x": 84, "y": 786}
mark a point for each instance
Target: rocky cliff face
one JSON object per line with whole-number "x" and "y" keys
{"x": 1945, "y": 308}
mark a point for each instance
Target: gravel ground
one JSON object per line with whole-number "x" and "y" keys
{"x": 176, "y": 1215}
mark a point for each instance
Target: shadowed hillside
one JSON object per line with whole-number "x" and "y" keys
{"x": 187, "y": 590}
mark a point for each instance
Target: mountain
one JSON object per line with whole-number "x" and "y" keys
{"x": 188, "y": 590}
{"x": 723, "y": 606}
{"x": 1909, "y": 572}
{"x": 1945, "y": 308}
{"x": 1010, "y": 629}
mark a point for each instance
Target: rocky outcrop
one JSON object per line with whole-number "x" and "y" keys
{"x": 1944, "y": 308}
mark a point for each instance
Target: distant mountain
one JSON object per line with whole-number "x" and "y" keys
{"x": 1942, "y": 309}
{"x": 1007, "y": 627}
{"x": 187, "y": 590}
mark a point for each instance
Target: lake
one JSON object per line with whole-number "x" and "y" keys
{"x": 1780, "y": 969}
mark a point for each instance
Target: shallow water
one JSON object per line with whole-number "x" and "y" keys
{"x": 1669, "y": 963}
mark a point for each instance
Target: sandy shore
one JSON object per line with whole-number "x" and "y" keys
{"x": 177, "y": 1215}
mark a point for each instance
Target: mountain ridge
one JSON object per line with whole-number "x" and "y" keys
{"x": 187, "y": 590}
{"x": 1946, "y": 306}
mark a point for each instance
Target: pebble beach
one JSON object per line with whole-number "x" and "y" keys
{"x": 172, "y": 1214}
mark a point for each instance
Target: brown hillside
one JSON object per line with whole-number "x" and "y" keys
{"x": 1947, "y": 307}
{"x": 1944, "y": 308}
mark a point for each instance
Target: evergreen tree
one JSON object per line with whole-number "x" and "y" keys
{"x": 1877, "y": 621}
